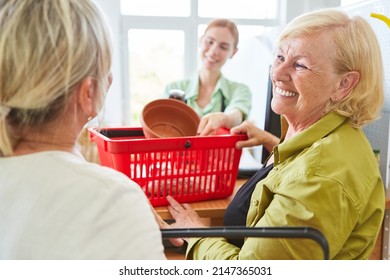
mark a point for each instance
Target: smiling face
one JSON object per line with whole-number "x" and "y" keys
{"x": 304, "y": 79}
{"x": 217, "y": 45}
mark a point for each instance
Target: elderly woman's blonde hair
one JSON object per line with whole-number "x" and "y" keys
{"x": 357, "y": 49}
{"x": 47, "y": 47}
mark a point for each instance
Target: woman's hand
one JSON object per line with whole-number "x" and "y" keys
{"x": 211, "y": 123}
{"x": 256, "y": 136}
{"x": 164, "y": 225}
{"x": 184, "y": 215}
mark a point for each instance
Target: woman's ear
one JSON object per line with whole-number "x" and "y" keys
{"x": 234, "y": 52}
{"x": 347, "y": 83}
{"x": 86, "y": 97}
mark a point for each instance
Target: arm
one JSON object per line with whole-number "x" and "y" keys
{"x": 238, "y": 105}
{"x": 256, "y": 136}
{"x": 286, "y": 206}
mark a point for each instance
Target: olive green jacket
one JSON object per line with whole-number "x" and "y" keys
{"x": 325, "y": 177}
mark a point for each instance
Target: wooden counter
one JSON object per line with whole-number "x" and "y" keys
{"x": 210, "y": 209}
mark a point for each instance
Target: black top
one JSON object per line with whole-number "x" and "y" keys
{"x": 237, "y": 210}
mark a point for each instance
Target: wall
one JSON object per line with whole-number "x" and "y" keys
{"x": 297, "y": 7}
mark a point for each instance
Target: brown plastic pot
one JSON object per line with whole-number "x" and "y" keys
{"x": 169, "y": 118}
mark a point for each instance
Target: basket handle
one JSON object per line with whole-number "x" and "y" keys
{"x": 240, "y": 232}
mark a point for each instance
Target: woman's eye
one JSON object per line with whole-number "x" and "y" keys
{"x": 300, "y": 66}
{"x": 225, "y": 48}
{"x": 280, "y": 58}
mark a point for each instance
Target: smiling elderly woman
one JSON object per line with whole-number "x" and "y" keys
{"x": 327, "y": 82}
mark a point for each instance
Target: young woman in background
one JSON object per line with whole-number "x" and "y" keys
{"x": 218, "y": 101}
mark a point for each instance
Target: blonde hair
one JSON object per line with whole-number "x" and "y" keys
{"x": 47, "y": 47}
{"x": 220, "y": 22}
{"x": 357, "y": 49}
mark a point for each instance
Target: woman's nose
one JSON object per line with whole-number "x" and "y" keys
{"x": 280, "y": 72}
{"x": 214, "y": 48}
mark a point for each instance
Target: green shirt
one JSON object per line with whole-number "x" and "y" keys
{"x": 325, "y": 177}
{"x": 235, "y": 95}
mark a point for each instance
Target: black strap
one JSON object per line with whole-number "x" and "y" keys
{"x": 223, "y": 107}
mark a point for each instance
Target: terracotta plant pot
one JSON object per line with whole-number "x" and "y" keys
{"x": 169, "y": 118}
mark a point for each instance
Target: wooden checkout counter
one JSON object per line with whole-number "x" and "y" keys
{"x": 213, "y": 210}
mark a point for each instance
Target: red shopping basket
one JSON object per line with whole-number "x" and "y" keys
{"x": 189, "y": 169}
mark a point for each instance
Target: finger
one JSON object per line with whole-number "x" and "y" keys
{"x": 246, "y": 143}
{"x": 208, "y": 130}
{"x": 173, "y": 202}
{"x": 177, "y": 241}
{"x": 162, "y": 224}
{"x": 172, "y": 210}
{"x": 239, "y": 130}
{"x": 174, "y": 207}
{"x": 159, "y": 220}
{"x": 177, "y": 214}
{"x": 186, "y": 206}
{"x": 202, "y": 124}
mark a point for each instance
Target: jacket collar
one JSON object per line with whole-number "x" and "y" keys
{"x": 307, "y": 137}
{"x": 193, "y": 88}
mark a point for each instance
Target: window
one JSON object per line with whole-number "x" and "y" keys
{"x": 155, "y": 57}
{"x": 156, "y": 8}
{"x": 350, "y": 2}
{"x": 160, "y": 42}
{"x": 248, "y": 9}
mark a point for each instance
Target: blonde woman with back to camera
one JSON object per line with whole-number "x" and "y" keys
{"x": 55, "y": 59}
{"x": 327, "y": 80}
